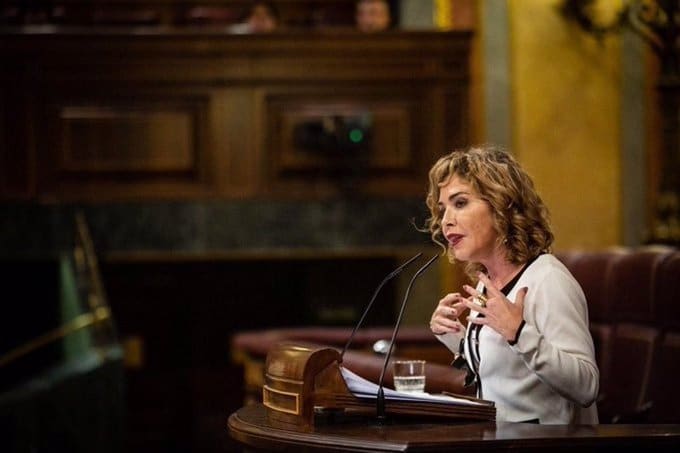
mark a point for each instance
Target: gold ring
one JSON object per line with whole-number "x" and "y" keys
{"x": 480, "y": 300}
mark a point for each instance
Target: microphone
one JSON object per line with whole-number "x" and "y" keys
{"x": 380, "y": 399}
{"x": 392, "y": 274}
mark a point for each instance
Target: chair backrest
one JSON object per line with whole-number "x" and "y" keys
{"x": 632, "y": 298}
{"x": 593, "y": 271}
{"x": 632, "y": 335}
{"x": 624, "y": 395}
{"x": 667, "y": 292}
{"x": 567, "y": 257}
{"x": 664, "y": 393}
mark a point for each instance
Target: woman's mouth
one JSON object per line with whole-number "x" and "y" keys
{"x": 454, "y": 239}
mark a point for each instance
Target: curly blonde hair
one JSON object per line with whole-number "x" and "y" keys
{"x": 520, "y": 217}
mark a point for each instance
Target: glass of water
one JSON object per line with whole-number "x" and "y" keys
{"x": 409, "y": 376}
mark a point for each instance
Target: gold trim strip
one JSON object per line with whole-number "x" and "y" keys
{"x": 282, "y": 379}
{"x": 266, "y": 390}
{"x": 80, "y": 322}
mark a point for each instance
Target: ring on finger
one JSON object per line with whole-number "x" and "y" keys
{"x": 480, "y": 300}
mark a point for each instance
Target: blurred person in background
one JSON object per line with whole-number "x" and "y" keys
{"x": 373, "y": 15}
{"x": 261, "y": 17}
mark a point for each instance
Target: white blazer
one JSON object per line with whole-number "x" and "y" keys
{"x": 550, "y": 374}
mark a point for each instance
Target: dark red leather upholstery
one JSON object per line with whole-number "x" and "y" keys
{"x": 629, "y": 317}
{"x": 667, "y": 293}
{"x": 663, "y": 394}
{"x": 663, "y": 390}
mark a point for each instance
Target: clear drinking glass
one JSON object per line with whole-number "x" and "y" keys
{"x": 409, "y": 376}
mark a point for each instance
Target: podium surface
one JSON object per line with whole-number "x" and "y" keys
{"x": 250, "y": 426}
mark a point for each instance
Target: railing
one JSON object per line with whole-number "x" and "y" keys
{"x": 88, "y": 309}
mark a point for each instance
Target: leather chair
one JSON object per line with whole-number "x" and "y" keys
{"x": 593, "y": 270}
{"x": 633, "y": 343}
{"x": 623, "y": 397}
{"x": 667, "y": 293}
{"x": 664, "y": 392}
{"x": 568, "y": 257}
{"x": 632, "y": 288}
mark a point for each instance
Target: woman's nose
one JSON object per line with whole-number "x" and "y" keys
{"x": 449, "y": 217}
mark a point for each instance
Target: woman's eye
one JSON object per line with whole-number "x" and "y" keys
{"x": 459, "y": 203}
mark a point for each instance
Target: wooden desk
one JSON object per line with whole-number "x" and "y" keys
{"x": 249, "y": 426}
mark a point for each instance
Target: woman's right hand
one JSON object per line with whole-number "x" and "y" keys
{"x": 445, "y": 316}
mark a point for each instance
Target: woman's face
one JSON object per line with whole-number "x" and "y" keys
{"x": 467, "y": 223}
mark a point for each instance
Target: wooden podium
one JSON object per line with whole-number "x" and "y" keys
{"x": 251, "y": 427}
{"x": 306, "y": 400}
{"x": 304, "y": 380}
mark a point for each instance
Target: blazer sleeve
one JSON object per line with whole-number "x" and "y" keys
{"x": 555, "y": 342}
{"x": 452, "y": 339}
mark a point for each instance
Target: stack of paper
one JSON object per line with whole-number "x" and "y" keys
{"x": 363, "y": 388}
{"x": 363, "y": 394}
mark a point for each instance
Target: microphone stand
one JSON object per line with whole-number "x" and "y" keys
{"x": 392, "y": 274}
{"x": 380, "y": 399}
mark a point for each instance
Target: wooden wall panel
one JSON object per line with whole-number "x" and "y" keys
{"x": 387, "y": 129}
{"x": 100, "y": 139}
{"x": 16, "y": 144}
{"x": 167, "y": 114}
{"x": 92, "y": 145}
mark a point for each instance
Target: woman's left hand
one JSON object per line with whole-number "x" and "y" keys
{"x": 499, "y": 313}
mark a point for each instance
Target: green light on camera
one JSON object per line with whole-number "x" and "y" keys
{"x": 356, "y": 136}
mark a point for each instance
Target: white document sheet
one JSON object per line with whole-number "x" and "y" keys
{"x": 363, "y": 388}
